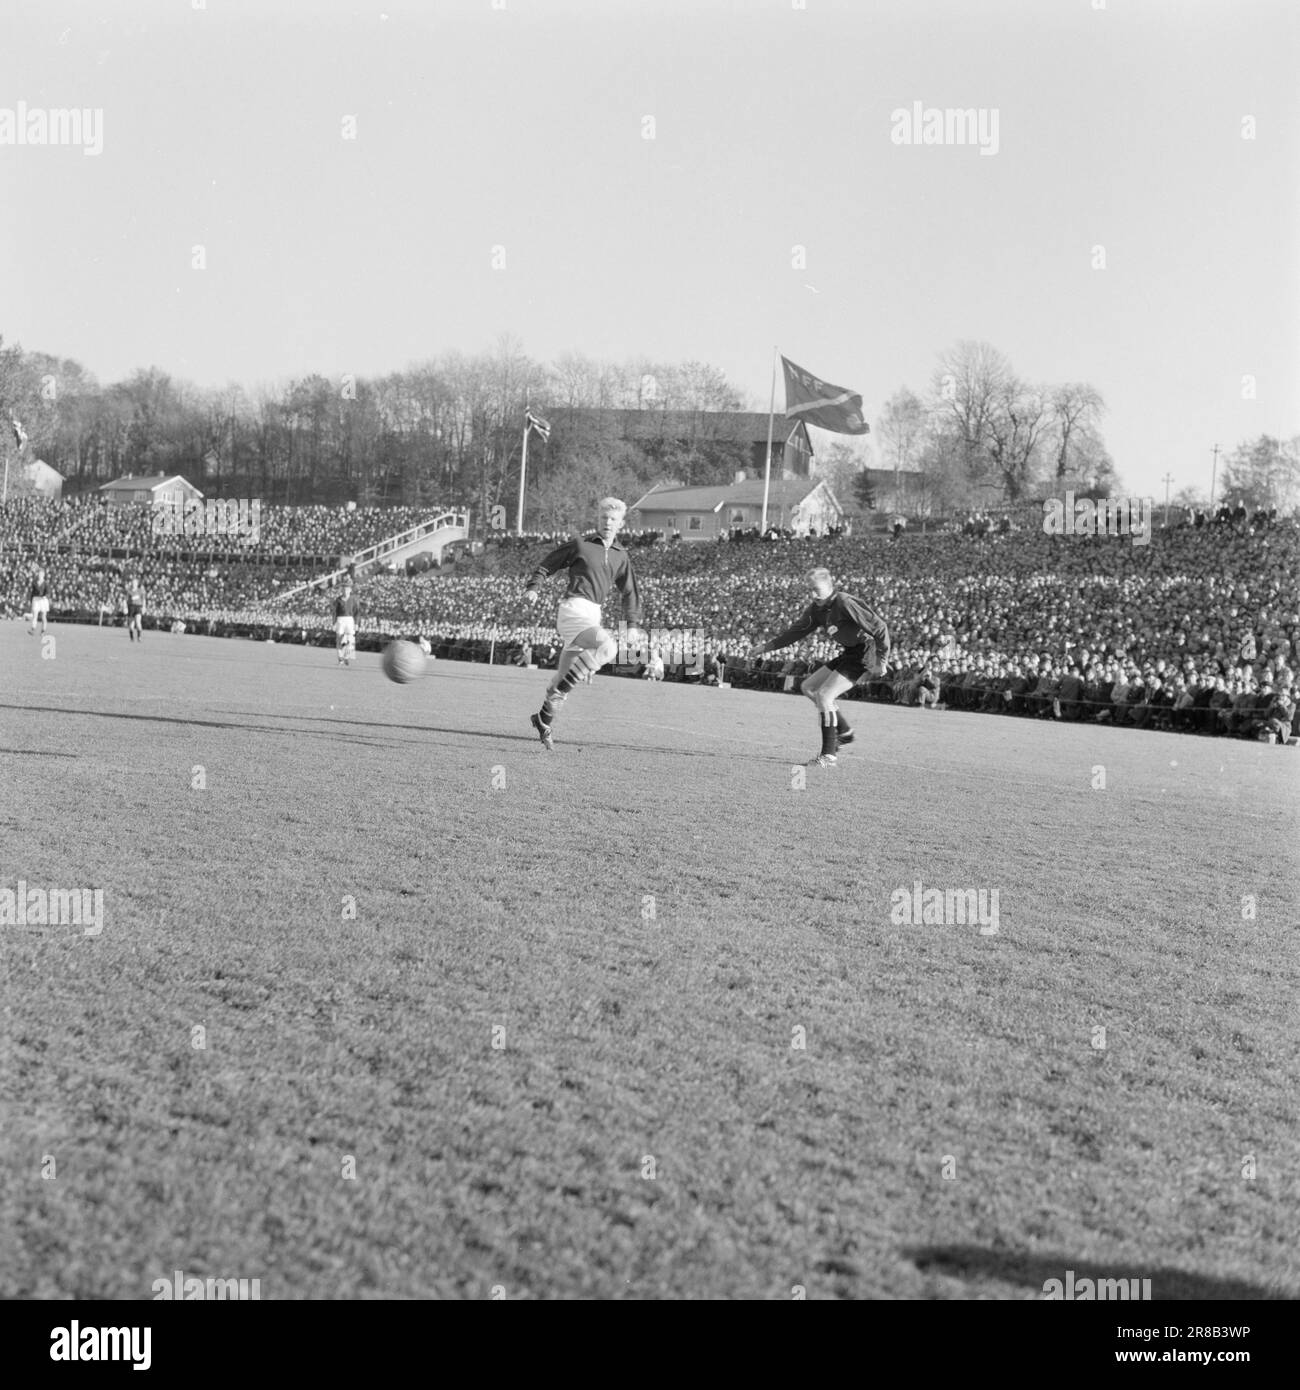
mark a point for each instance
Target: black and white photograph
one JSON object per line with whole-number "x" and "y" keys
{"x": 722, "y": 584}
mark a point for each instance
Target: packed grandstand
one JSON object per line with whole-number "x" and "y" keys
{"x": 1197, "y": 630}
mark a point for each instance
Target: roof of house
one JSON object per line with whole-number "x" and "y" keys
{"x": 886, "y": 475}
{"x": 783, "y": 493}
{"x": 150, "y": 481}
{"x": 739, "y": 426}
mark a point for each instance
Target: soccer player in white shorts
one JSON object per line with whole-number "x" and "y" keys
{"x": 345, "y": 625}
{"x": 40, "y": 601}
{"x": 596, "y": 563}
{"x": 135, "y": 611}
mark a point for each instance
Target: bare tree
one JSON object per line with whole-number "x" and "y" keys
{"x": 1075, "y": 407}
{"x": 1264, "y": 472}
{"x": 1016, "y": 426}
{"x": 966, "y": 387}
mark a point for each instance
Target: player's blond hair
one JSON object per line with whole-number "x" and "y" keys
{"x": 821, "y": 572}
{"x": 612, "y": 502}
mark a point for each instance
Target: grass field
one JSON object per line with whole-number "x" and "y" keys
{"x": 555, "y": 1050}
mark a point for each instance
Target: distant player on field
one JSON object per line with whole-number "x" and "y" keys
{"x": 135, "y": 610}
{"x": 40, "y": 600}
{"x": 596, "y": 564}
{"x": 865, "y": 639}
{"x": 346, "y": 611}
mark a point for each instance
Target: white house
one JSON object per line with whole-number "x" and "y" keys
{"x": 155, "y": 490}
{"x": 43, "y": 479}
{"x": 703, "y": 513}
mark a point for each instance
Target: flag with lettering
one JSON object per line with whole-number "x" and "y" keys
{"x": 20, "y": 434}
{"x": 817, "y": 402}
{"x": 536, "y": 422}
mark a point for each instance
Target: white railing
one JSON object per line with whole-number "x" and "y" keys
{"x": 453, "y": 517}
{"x": 421, "y": 529}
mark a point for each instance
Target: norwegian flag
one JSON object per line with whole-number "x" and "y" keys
{"x": 537, "y": 423}
{"x": 817, "y": 402}
{"x": 20, "y": 434}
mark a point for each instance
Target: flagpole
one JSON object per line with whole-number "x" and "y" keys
{"x": 523, "y": 469}
{"x": 767, "y": 472}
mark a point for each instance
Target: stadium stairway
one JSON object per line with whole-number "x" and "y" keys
{"x": 430, "y": 537}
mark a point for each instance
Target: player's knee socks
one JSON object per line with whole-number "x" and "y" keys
{"x": 583, "y": 662}
{"x": 830, "y": 739}
{"x": 558, "y": 691}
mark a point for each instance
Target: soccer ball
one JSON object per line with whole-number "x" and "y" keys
{"x": 403, "y": 662}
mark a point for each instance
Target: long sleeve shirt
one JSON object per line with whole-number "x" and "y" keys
{"x": 594, "y": 569}
{"x": 844, "y": 618}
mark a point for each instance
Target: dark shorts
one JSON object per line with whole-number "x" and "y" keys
{"x": 851, "y": 663}
{"x": 134, "y": 609}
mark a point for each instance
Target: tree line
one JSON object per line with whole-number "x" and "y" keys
{"x": 449, "y": 431}
{"x": 444, "y": 431}
{"x": 981, "y": 435}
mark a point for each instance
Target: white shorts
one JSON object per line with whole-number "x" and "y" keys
{"x": 574, "y": 617}
{"x": 345, "y": 627}
{"x": 39, "y": 606}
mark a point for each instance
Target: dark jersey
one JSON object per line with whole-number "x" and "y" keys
{"x": 594, "y": 569}
{"x": 135, "y": 599}
{"x": 346, "y": 607}
{"x": 40, "y": 588}
{"x": 844, "y": 618}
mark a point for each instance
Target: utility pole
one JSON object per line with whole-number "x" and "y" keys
{"x": 1213, "y": 477}
{"x": 1167, "y": 479}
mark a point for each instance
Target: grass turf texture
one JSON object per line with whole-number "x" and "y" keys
{"x": 643, "y": 1126}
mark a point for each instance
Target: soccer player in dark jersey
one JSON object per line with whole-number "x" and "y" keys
{"x": 596, "y": 564}
{"x": 865, "y": 639}
{"x": 135, "y": 610}
{"x": 40, "y": 598}
{"x": 346, "y": 612}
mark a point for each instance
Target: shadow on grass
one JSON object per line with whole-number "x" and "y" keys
{"x": 1033, "y": 1271}
{"x": 35, "y": 752}
{"x": 377, "y": 726}
{"x": 381, "y": 726}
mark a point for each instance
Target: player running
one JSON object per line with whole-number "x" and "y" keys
{"x": 346, "y": 612}
{"x": 135, "y": 610}
{"x": 40, "y": 601}
{"x": 596, "y": 564}
{"x": 848, "y": 621}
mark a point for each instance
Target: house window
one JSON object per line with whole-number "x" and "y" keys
{"x": 693, "y": 523}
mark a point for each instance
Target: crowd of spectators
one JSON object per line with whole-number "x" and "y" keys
{"x": 93, "y": 588}
{"x": 1196, "y": 630}
{"x": 87, "y": 525}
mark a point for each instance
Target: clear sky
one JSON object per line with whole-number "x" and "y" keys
{"x": 522, "y": 126}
